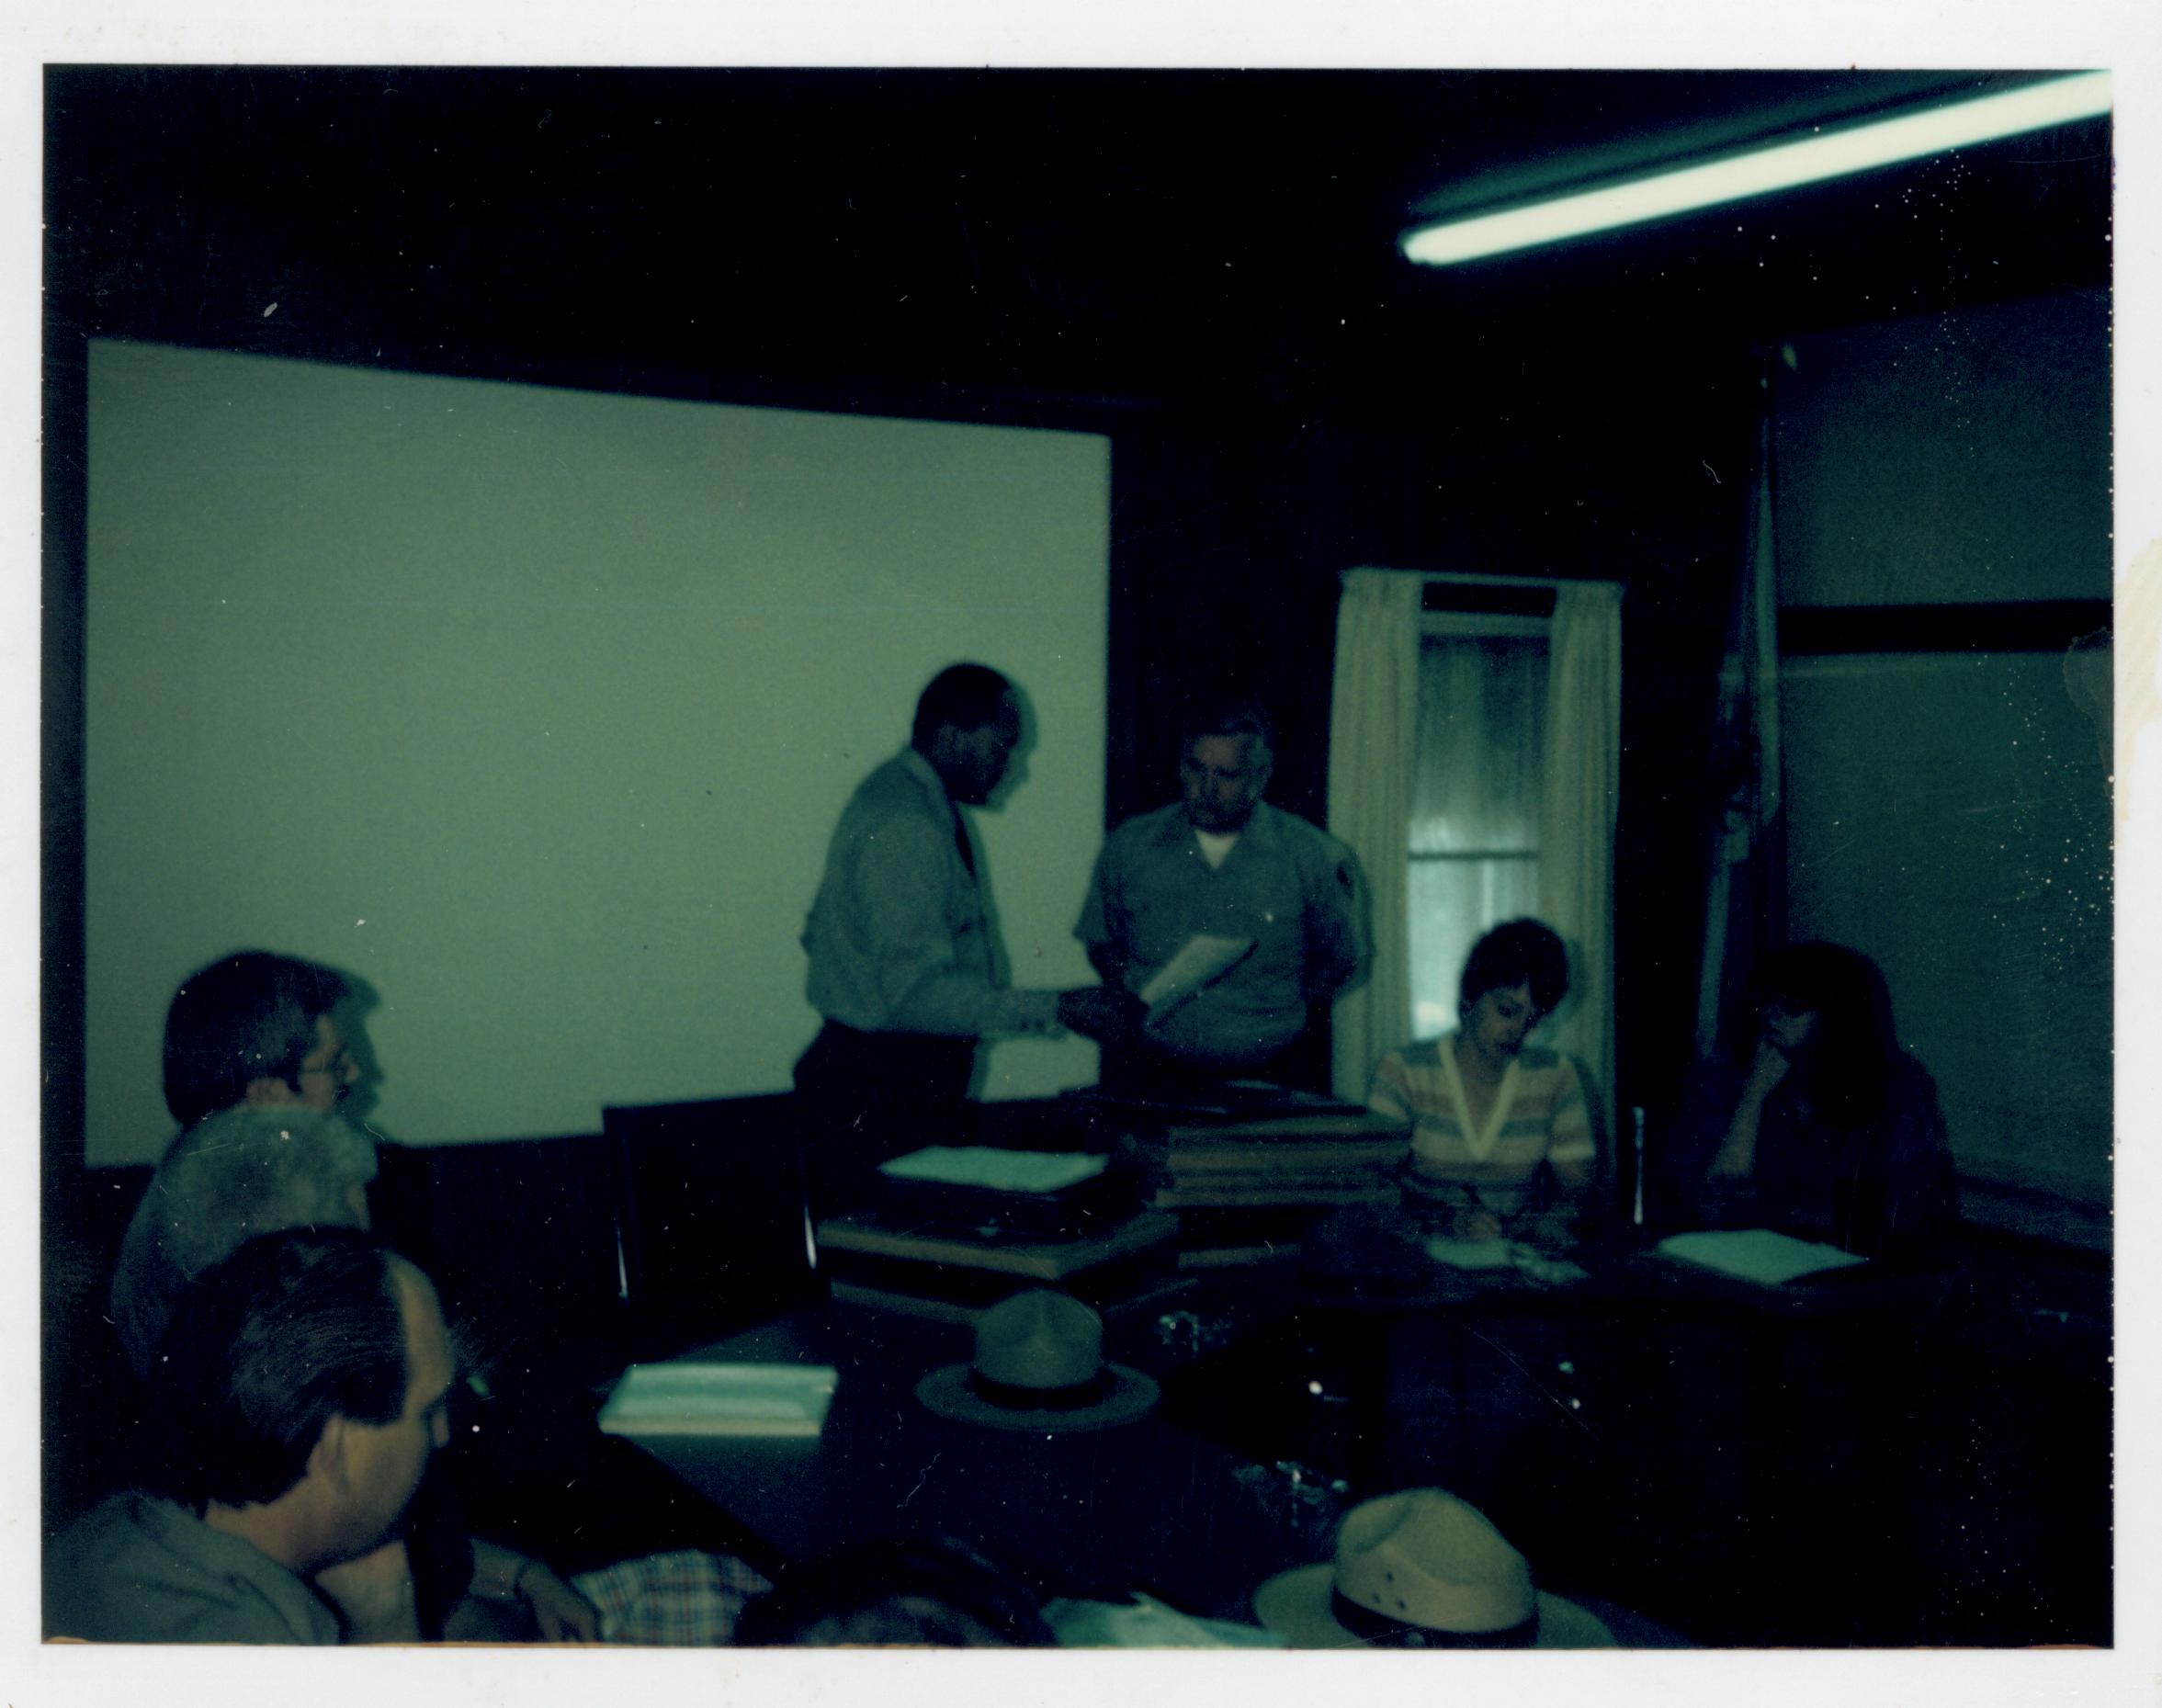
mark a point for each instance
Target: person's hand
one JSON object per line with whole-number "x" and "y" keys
{"x": 1101, "y": 1011}
{"x": 1733, "y": 1164}
{"x": 374, "y": 1595}
{"x": 561, "y": 1613}
{"x": 1766, "y": 1071}
{"x": 1477, "y": 1222}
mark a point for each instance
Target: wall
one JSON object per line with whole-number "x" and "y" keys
{"x": 1949, "y": 809}
{"x": 534, "y": 710}
{"x": 1948, "y": 459}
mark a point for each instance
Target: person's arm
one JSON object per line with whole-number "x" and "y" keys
{"x": 1335, "y": 929}
{"x": 1101, "y": 928}
{"x": 900, "y": 902}
{"x": 1921, "y": 1183}
{"x": 1736, "y": 1157}
{"x": 562, "y": 1614}
{"x": 1389, "y": 1094}
{"x": 1572, "y": 1159}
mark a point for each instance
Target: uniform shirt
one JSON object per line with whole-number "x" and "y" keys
{"x": 1285, "y": 884}
{"x": 1540, "y": 1115}
{"x": 140, "y": 1569}
{"x": 897, "y": 937}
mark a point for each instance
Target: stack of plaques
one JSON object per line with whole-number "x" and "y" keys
{"x": 959, "y": 1228}
{"x": 1289, "y": 1162}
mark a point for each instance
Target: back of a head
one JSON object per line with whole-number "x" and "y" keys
{"x": 921, "y": 1593}
{"x": 246, "y": 1016}
{"x": 1523, "y": 952}
{"x": 961, "y": 696}
{"x": 264, "y": 1348}
{"x": 240, "y": 1173}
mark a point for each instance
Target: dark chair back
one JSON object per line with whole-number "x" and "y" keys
{"x": 715, "y": 1220}
{"x": 98, "y": 1427}
{"x": 520, "y": 1238}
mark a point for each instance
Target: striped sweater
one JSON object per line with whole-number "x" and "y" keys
{"x": 1539, "y": 1115}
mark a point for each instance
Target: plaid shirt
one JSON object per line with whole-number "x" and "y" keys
{"x": 686, "y": 1600}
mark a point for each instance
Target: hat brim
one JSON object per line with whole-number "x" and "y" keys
{"x": 1295, "y": 1606}
{"x": 1130, "y": 1395}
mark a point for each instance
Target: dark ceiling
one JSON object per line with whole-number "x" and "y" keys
{"x": 849, "y": 236}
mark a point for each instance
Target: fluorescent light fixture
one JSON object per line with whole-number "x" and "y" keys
{"x": 1778, "y": 167}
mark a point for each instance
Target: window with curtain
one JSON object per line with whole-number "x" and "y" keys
{"x": 1470, "y": 799}
{"x": 1476, "y": 786}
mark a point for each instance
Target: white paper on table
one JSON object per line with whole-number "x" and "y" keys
{"x": 1470, "y": 1253}
{"x": 1757, "y": 1254}
{"x": 1146, "y": 1623}
{"x": 1201, "y": 960}
{"x": 693, "y": 1397}
{"x": 993, "y": 1170}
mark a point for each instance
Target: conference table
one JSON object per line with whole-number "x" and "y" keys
{"x": 1865, "y": 1460}
{"x": 1147, "y": 1505}
{"x": 1873, "y": 1456}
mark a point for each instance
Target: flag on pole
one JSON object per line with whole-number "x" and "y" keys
{"x": 1745, "y": 913}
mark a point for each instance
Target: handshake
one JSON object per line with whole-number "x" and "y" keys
{"x": 1104, "y": 1012}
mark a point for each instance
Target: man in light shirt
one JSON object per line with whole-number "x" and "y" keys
{"x": 904, "y": 961}
{"x": 1221, "y": 863}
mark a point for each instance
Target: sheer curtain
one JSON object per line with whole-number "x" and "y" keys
{"x": 1475, "y": 804}
{"x": 1582, "y": 788}
{"x": 1373, "y": 732}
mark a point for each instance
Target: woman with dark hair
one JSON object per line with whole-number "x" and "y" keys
{"x": 1821, "y": 1124}
{"x": 1502, "y": 1143}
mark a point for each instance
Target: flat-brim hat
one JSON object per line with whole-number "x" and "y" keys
{"x": 1420, "y": 1569}
{"x": 1039, "y": 1365}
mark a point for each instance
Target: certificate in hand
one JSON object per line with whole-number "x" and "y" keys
{"x": 1201, "y": 960}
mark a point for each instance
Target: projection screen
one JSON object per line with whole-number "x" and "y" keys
{"x": 534, "y": 710}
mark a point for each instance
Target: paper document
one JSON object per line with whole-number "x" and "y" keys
{"x": 688, "y": 1398}
{"x": 1757, "y": 1254}
{"x": 1201, "y": 961}
{"x": 1470, "y": 1253}
{"x": 1146, "y": 1623}
{"x": 1505, "y": 1254}
{"x": 993, "y": 1169}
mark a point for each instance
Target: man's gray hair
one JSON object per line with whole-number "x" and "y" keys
{"x": 243, "y": 1171}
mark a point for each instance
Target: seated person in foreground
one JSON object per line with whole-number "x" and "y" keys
{"x": 303, "y": 1384}
{"x": 1502, "y": 1145}
{"x": 1820, "y": 1125}
{"x": 256, "y": 1068}
{"x": 1221, "y": 862}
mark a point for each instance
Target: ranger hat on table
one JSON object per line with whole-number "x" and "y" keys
{"x": 1421, "y": 1569}
{"x": 1039, "y": 1365}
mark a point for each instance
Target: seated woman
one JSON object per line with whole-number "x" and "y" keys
{"x": 1502, "y": 1143}
{"x": 1821, "y": 1125}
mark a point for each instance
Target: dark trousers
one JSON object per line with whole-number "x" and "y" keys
{"x": 870, "y": 1096}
